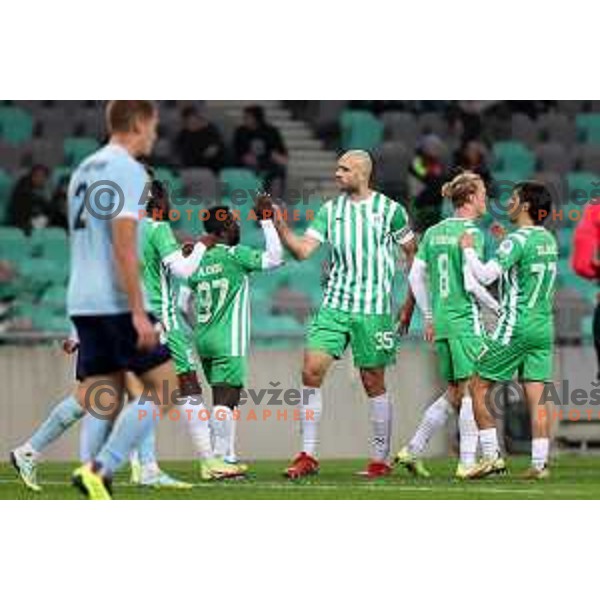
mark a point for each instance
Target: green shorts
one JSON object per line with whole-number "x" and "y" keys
{"x": 532, "y": 362}
{"x": 230, "y": 370}
{"x": 458, "y": 356}
{"x": 181, "y": 351}
{"x": 371, "y": 337}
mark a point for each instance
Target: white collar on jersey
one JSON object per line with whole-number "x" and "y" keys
{"x": 369, "y": 198}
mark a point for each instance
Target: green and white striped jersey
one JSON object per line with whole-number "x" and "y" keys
{"x": 528, "y": 258}
{"x": 363, "y": 236}
{"x": 222, "y": 290}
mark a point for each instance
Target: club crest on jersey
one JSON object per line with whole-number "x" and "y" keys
{"x": 376, "y": 219}
{"x": 506, "y": 246}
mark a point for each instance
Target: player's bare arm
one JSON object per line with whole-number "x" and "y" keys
{"x": 127, "y": 268}
{"x": 301, "y": 247}
{"x": 417, "y": 279}
{"x": 409, "y": 248}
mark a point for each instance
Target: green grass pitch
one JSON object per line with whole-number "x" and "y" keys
{"x": 573, "y": 477}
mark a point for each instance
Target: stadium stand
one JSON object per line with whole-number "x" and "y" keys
{"x": 559, "y": 142}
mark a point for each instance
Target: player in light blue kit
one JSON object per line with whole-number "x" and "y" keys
{"x": 107, "y": 196}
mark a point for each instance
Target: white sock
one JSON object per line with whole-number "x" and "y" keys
{"x": 195, "y": 415}
{"x": 435, "y": 418}
{"x": 231, "y": 450}
{"x": 220, "y": 423}
{"x": 380, "y": 414}
{"x": 310, "y": 415}
{"x": 539, "y": 452}
{"x": 469, "y": 434}
{"x": 489, "y": 443}
{"x": 27, "y": 448}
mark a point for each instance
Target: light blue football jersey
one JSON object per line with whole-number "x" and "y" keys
{"x": 109, "y": 184}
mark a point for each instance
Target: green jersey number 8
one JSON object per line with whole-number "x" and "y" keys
{"x": 444, "y": 275}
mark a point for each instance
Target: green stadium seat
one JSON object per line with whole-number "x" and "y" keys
{"x": 239, "y": 180}
{"x": 6, "y": 184}
{"x": 60, "y": 173}
{"x": 588, "y": 127}
{"x": 171, "y": 179}
{"x": 55, "y": 298}
{"x": 271, "y": 281}
{"x": 587, "y": 328}
{"x": 564, "y": 238}
{"x": 580, "y": 189}
{"x": 277, "y": 331}
{"x": 39, "y": 273}
{"x": 360, "y": 129}
{"x": 515, "y": 158}
{"x": 50, "y": 243}
{"x": 43, "y": 318}
{"x": 188, "y": 222}
{"x": 16, "y": 124}
{"x": 77, "y": 149}
{"x": 583, "y": 183}
{"x": 252, "y": 235}
{"x": 14, "y": 245}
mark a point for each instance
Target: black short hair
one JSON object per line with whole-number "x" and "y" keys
{"x": 157, "y": 205}
{"x": 189, "y": 111}
{"x": 538, "y": 196}
{"x": 257, "y": 111}
{"x": 217, "y": 217}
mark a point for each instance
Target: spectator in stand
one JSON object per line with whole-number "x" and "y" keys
{"x": 199, "y": 143}
{"x": 426, "y": 175}
{"x": 472, "y": 156}
{"x": 58, "y": 205}
{"x": 260, "y": 147}
{"x": 29, "y": 199}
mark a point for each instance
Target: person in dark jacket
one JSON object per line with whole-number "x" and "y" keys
{"x": 471, "y": 156}
{"x": 259, "y": 146}
{"x": 29, "y": 198}
{"x": 199, "y": 143}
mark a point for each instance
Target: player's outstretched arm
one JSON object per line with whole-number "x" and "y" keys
{"x": 127, "y": 267}
{"x": 273, "y": 255}
{"x": 409, "y": 248}
{"x": 300, "y": 247}
{"x": 183, "y": 264}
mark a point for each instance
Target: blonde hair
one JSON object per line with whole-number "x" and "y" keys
{"x": 461, "y": 187}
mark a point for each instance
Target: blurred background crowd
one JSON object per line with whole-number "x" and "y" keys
{"x": 206, "y": 149}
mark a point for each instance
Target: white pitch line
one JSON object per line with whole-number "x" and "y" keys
{"x": 254, "y": 485}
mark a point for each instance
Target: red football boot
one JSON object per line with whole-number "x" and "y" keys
{"x": 376, "y": 469}
{"x": 303, "y": 465}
